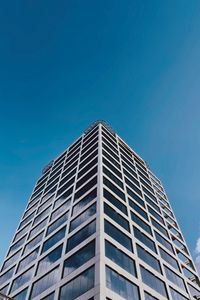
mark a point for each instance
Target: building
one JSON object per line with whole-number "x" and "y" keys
{"x": 98, "y": 225}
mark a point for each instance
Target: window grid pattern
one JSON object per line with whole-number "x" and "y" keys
{"x": 133, "y": 197}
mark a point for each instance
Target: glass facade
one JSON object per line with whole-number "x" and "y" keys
{"x": 98, "y": 226}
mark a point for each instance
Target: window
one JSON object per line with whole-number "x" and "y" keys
{"x": 30, "y": 210}
{"x": 93, "y": 131}
{"x": 45, "y": 282}
{"x": 194, "y": 292}
{"x": 110, "y": 145}
{"x": 66, "y": 186}
{"x": 120, "y": 258}
{"x": 69, "y": 169}
{"x": 118, "y": 235}
{"x": 22, "y": 232}
{"x": 83, "y": 217}
{"x": 21, "y": 295}
{"x": 11, "y": 260}
{"x": 4, "y": 290}
{"x": 131, "y": 169}
{"x": 131, "y": 178}
{"x": 57, "y": 223}
{"x": 116, "y": 217}
{"x": 152, "y": 203}
{"x": 71, "y": 160}
{"x": 120, "y": 285}
{"x": 22, "y": 279}
{"x": 173, "y": 277}
{"x": 81, "y": 235}
{"x": 88, "y": 167}
{"x": 88, "y": 145}
{"x": 60, "y": 209}
{"x": 7, "y": 275}
{"x": 113, "y": 177}
{"x": 66, "y": 178}
{"x": 64, "y": 197}
{"x": 85, "y": 160}
{"x": 110, "y": 158}
{"x": 163, "y": 242}
{"x": 78, "y": 286}
{"x": 149, "y": 194}
{"x": 168, "y": 258}
{"x": 139, "y": 210}
{"x": 113, "y": 200}
{"x": 159, "y": 227}
{"x": 128, "y": 162}
{"x": 33, "y": 242}
{"x": 133, "y": 187}
{"x": 176, "y": 295}
{"x": 54, "y": 239}
{"x": 86, "y": 177}
{"x": 47, "y": 197}
{"x": 28, "y": 259}
{"x": 112, "y": 168}
{"x": 17, "y": 245}
{"x": 148, "y": 258}
{"x": 144, "y": 239}
{"x": 135, "y": 197}
{"x": 154, "y": 282}
{"x": 85, "y": 188}
{"x": 110, "y": 152}
{"x": 141, "y": 223}
{"x": 48, "y": 260}
{"x": 155, "y": 214}
{"x": 38, "y": 228}
{"x": 41, "y": 216}
{"x": 84, "y": 201}
{"x": 144, "y": 177}
{"x": 113, "y": 188}
{"x": 147, "y": 186}
{"x": 79, "y": 258}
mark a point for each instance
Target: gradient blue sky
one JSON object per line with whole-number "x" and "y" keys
{"x": 134, "y": 63}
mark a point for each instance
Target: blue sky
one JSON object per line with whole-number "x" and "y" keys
{"x": 64, "y": 64}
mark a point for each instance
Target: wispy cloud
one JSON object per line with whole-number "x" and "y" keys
{"x": 197, "y": 250}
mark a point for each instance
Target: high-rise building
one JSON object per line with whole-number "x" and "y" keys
{"x": 99, "y": 226}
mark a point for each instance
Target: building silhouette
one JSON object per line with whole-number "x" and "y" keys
{"x": 98, "y": 225}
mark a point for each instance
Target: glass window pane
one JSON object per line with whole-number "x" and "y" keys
{"x": 28, "y": 259}
{"x": 84, "y": 201}
{"x": 120, "y": 285}
{"x": 45, "y": 282}
{"x": 83, "y": 217}
{"x": 113, "y": 200}
{"x": 48, "y": 260}
{"x": 148, "y": 258}
{"x": 154, "y": 282}
{"x": 22, "y": 279}
{"x": 78, "y": 286}
{"x": 79, "y": 258}
{"x": 118, "y": 235}
{"x": 116, "y": 217}
{"x": 57, "y": 223}
{"x": 54, "y": 239}
{"x": 81, "y": 235}
{"x": 173, "y": 277}
{"x": 120, "y": 258}
{"x": 144, "y": 239}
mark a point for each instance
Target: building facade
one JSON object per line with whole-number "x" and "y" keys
{"x": 99, "y": 226}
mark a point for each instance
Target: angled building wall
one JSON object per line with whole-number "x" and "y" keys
{"x": 98, "y": 225}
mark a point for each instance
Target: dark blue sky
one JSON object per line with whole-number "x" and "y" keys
{"x": 134, "y": 63}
